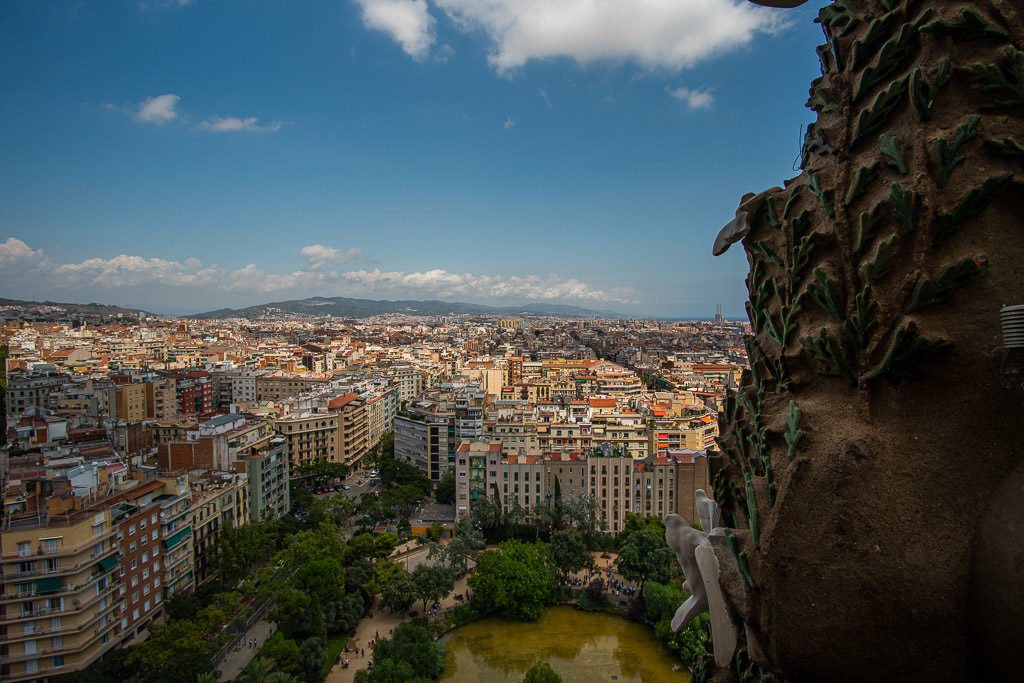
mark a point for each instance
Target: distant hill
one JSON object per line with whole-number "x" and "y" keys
{"x": 50, "y": 309}
{"x": 361, "y": 308}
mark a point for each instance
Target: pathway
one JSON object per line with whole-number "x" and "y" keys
{"x": 383, "y": 621}
{"x": 238, "y": 658}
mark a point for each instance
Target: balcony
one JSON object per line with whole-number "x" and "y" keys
{"x": 61, "y": 550}
{"x": 76, "y": 606}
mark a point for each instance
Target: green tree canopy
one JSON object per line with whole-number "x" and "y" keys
{"x": 517, "y": 580}
{"x": 569, "y": 551}
{"x": 445, "y": 491}
{"x": 414, "y": 645}
{"x": 645, "y": 555}
{"x": 432, "y": 583}
{"x": 541, "y": 672}
{"x": 399, "y": 594}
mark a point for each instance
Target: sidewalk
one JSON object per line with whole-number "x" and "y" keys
{"x": 238, "y": 658}
{"x": 382, "y": 622}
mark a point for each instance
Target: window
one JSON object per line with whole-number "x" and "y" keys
{"x": 135, "y": 597}
{"x": 135, "y": 581}
{"x": 134, "y": 564}
{"x": 57, "y": 643}
{"x": 55, "y": 624}
{"x": 52, "y": 565}
{"x": 142, "y": 524}
{"x": 131, "y": 530}
{"x": 143, "y": 541}
{"x": 152, "y": 519}
{"x": 131, "y": 547}
{"x": 50, "y": 545}
{"x": 153, "y": 535}
{"x": 145, "y": 558}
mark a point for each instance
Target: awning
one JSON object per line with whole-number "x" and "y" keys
{"x": 108, "y": 563}
{"x": 177, "y": 538}
{"x": 50, "y": 584}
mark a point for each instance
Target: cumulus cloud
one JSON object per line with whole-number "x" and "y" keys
{"x": 407, "y": 22}
{"x": 101, "y": 278}
{"x": 694, "y": 99}
{"x": 656, "y": 33}
{"x": 159, "y": 109}
{"x": 228, "y": 124}
{"x": 317, "y": 254}
{"x": 13, "y": 250}
{"x": 439, "y": 282}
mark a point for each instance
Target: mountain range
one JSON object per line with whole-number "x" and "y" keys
{"x": 50, "y": 308}
{"x": 343, "y": 307}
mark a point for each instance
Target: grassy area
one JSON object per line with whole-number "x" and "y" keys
{"x": 334, "y": 646}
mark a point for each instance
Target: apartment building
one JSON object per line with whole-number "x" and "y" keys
{"x": 161, "y": 398}
{"x": 81, "y": 568}
{"x": 31, "y": 390}
{"x": 425, "y": 437}
{"x": 522, "y": 480}
{"x": 175, "y": 535}
{"x": 127, "y": 401}
{"x": 219, "y": 500}
{"x": 266, "y": 469}
{"x": 477, "y": 472}
{"x": 277, "y": 387}
{"x": 618, "y": 483}
{"x": 310, "y": 436}
{"x": 665, "y": 484}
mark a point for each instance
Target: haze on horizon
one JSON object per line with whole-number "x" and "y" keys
{"x": 186, "y": 155}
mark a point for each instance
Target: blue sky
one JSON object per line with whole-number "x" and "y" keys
{"x": 183, "y": 156}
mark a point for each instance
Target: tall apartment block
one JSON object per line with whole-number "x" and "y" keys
{"x": 87, "y": 561}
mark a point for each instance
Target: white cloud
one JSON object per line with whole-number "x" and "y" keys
{"x": 509, "y": 123}
{"x": 656, "y": 33}
{"x": 317, "y": 254}
{"x": 222, "y": 124}
{"x": 14, "y": 250}
{"x": 192, "y": 280}
{"x": 407, "y": 22}
{"x": 159, "y": 109}
{"x": 694, "y": 99}
{"x": 439, "y": 282}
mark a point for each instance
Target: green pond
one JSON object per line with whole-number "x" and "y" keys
{"x": 580, "y": 646}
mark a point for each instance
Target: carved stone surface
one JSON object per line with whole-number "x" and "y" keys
{"x": 708, "y": 512}
{"x": 875, "y": 422}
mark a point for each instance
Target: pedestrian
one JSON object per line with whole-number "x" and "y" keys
{"x": 362, "y": 653}
{"x": 377, "y": 634}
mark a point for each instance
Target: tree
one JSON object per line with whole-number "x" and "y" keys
{"x": 464, "y": 546}
{"x": 320, "y": 472}
{"x": 320, "y": 579}
{"x": 645, "y": 555}
{"x": 343, "y": 615}
{"x": 259, "y": 670}
{"x": 312, "y": 657}
{"x": 399, "y": 594}
{"x": 414, "y": 645}
{"x": 173, "y": 653}
{"x": 569, "y": 551}
{"x": 541, "y": 672}
{"x": 432, "y": 583}
{"x": 517, "y": 580}
{"x": 445, "y": 491}
{"x": 283, "y": 651}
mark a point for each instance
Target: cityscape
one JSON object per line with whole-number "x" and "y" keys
{"x": 379, "y": 341}
{"x": 125, "y": 425}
